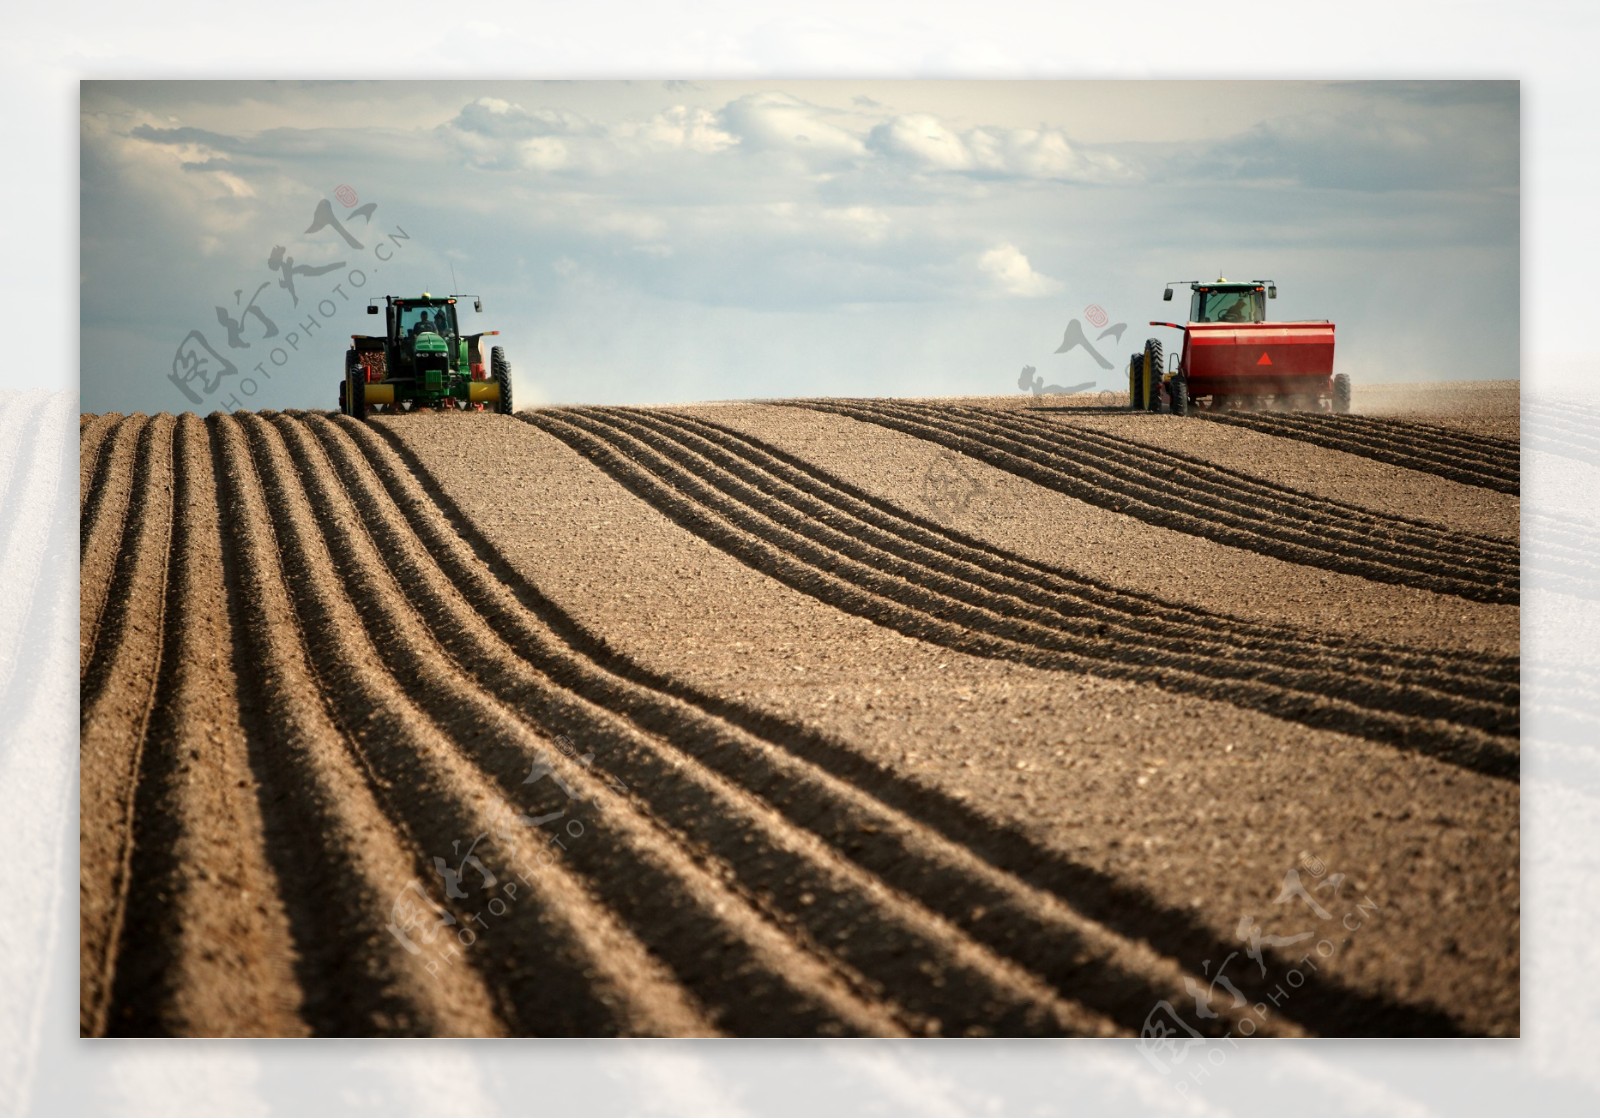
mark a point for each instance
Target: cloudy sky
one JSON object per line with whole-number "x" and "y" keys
{"x": 653, "y": 242}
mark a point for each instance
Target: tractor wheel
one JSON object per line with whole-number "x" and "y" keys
{"x": 343, "y": 410}
{"x": 502, "y": 376}
{"x": 355, "y": 388}
{"x": 1136, "y": 382}
{"x": 1178, "y": 394}
{"x": 1154, "y": 365}
{"x": 1341, "y": 392}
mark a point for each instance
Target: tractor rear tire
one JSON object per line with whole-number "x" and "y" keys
{"x": 1178, "y": 394}
{"x": 1341, "y": 393}
{"x": 1136, "y": 382}
{"x": 1154, "y": 365}
{"x": 355, "y": 388}
{"x": 502, "y": 376}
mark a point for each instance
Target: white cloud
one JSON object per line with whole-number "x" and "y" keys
{"x": 1008, "y": 269}
{"x": 498, "y": 135}
{"x": 1387, "y": 144}
{"x": 493, "y": 116}
{"x": 493, "y": 153}
{"x": 695, "y": 129}
{"x": 1041, "y": 154}
{"x": 779, "y": 122}
{"x": 922, "y": 139}
{"x": 924, "y": 142}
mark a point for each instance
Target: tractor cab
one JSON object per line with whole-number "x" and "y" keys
{"x": 1224, "y": 301}
{"x": 409, "y": 318}
{"x": 422, "y": 334}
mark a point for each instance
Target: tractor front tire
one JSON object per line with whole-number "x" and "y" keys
{"x": 355, "y": 388}
{"x": 1341, "y": 393}
{"x": 1154, "y": 365}
{"x": 343, "y": 385}
{"x": 1136, "y": 382}
{"x": 502, "y": 377}
{"x": 1178, "y": 394}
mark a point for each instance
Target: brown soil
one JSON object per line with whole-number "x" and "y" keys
{"x": 829, "y": 718}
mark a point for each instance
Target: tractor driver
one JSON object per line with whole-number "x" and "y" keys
{"x": 1241, "y": 310}
{"x": 424, "y": 325}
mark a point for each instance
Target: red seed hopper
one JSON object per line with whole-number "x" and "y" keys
{"x": 1233, "y": 358}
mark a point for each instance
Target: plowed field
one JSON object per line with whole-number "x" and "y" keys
{"x": 826, "y": 717}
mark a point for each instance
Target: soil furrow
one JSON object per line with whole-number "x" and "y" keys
{"x": 1217, "y": 492}
{"x": 792, "y": 872}
{"x": 1491, "y": 448}
{"x": 724, "y": 818}
{"x": 204, "y": 949}
{"x": 117, "y": 694}
{"x": 820, "y": 509}
{"x": 1469, "y": 675}
{"x": 1458, "y": 467}
{"x": 1494, "y": 458}
{"x": 562, "y": 966}
{"x": 812, "y": 889}
{"x": 803, "y": 718}
{"x": 105, "y": 483}
{"x": 346, "y": 874}
{"x": 1492, "y": 455}
{"x": 799, "y": 511}
{"x": 1229, "y": 487}
{"x": 103, "y": 525}
{"x": 961, "y": 837}
{"x": 884, "y": 597}
{"x": 740, "y": 801}
{"x": 1167, "y": 508}
{"x": 94, "y": 434}
{"x": 720, "y": 946}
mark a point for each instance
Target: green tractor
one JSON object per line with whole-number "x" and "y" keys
{"x": 423, "y": 361}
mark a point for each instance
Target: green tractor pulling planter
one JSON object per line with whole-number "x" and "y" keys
{"x": 423, "y": 361}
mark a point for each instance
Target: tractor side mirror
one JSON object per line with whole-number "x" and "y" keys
{"x": 372, "y": 309}
{"x": 1272, "y": 291}
{"x": 1167, "y": 295}
{"x": 477, "y": 305}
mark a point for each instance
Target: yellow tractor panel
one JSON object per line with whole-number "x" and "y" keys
{"x": 482, "y": 392}
{"x": 380, "y": 394}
